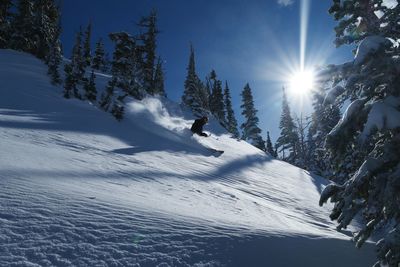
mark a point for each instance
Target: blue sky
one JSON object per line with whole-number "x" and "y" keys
{"x": 254, "y": 41}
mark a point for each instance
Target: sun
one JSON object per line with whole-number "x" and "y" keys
{"x": 302, "y": 82}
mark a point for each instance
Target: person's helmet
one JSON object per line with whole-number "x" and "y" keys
{"x": 205, "y": 119}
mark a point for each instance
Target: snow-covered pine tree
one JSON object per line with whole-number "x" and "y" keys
{"x": 87, "y": 52}
{"x": 107, "y": 63}
{"x": 70, "y": 82}
{"x": 36, "y": 30}
{"x": 90, "y": 88}
{"x": 268, "y": 147}
{"x": 22, "y": 38}
{"x": 325, "y": 116}
{"x": 126, "y": 65}
{"x": 288, "y": 139}
{"x": 149, "y": 50}
{"x": 118, "y": 108}
{"x": 5, "y": 23}
{"x": 77, "y": 58}
{"x": 159, "y": 79}
{"x": 207, "y": 88}
{"x": 99, "y": 60}
{"x": 204, "y": 96}
{"x": 54, "y": 58}
{"x": 216, "y": 101}
{"x": 302, "y": 124}
{"x": 371, "y": 120}
{"x": 46, "y": 27}
{"x": 75, "y": 70}
{"x": 108, "y": 95}
{"x": 53, "y": 62}
{"x": 192, "y": 88}
{"x": 251, "y": 131}
{"x": 316, "y": 137}
{"x": 231, "y": 123}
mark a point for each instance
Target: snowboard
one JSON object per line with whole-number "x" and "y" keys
{"x": 216, "y": 152}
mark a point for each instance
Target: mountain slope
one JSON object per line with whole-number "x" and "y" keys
{"x": 80, "y": 188}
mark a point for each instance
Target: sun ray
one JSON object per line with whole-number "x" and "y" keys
{"x": 304, "y": 13}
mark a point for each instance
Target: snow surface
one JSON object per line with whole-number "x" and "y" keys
{"x": 78, "y": 188}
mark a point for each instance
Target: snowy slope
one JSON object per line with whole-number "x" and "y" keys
{"x": 78, "y": 188}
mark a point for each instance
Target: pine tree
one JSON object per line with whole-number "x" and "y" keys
{"x": 208, "y": 87}
{"x": 90, "y": 88}
{"x": 70, "y": 82}
{"x": 204, "y": 93}
{"x": 302, "y": 124}
{"x": 5, "y": 22}
{"x": 99, "y": 60}
{"x": 159, "y": 79}
{"x": 126, "y": 65}
{"x": 216, "y": 99}
{"x": 324, "y": 117}
{"x": 35, "y": 27}
{"x": 251, "y": 131}
{"x": 126, "y": 75}
{"x": 231, "y": 123}
{"x": 46, "y": 27}
{"x": 193, "y": 88}
{"x": 75, "y": 70}
{"x": 149, "y": 49}
{"x": 107, "y": 95}
{"x": 87, "y": 54}
{"x": 269, "y": 148}
{"x": 54, "y": 58}
{"x": 54, "y": 61}
{"x": 77, "y": 59}
{"x": 107, "y": 63}
{"x": 370, "y": 124}
{"x": 288, "y": 139}
{"x": 118, "y": 110}
{"x": 23, "y": 38}
{"x": 36, "y": 30}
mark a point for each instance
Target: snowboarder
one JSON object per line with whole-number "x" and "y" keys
{"x": 197, "y": 126}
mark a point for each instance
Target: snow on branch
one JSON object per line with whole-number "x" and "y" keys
{"x": 333, "y": 94}
{"x": 352, "y": 111}
{"x": 328, "y": 192}
{"x": 384, "y": 114}
{"x": 369, "y": 45}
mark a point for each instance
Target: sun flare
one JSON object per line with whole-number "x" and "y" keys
{"x": 302, "y": 82}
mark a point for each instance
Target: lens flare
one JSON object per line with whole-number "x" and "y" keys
{"x": 304, "y": 13}
{"x": 302, "y": 82}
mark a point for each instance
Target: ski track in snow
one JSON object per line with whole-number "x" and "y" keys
{"x": 78, "y": 188}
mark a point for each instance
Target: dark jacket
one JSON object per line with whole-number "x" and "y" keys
{"x": 197, "y": 126}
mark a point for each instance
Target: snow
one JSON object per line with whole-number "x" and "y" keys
{"x": 78, "y": 188}
{"x": 352, "y": 111}
{"x": 384, "y": 114}
{"x": 333, "y": 94}
{"x": 390, "y": 3}
{"x": 367, "y": 46}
